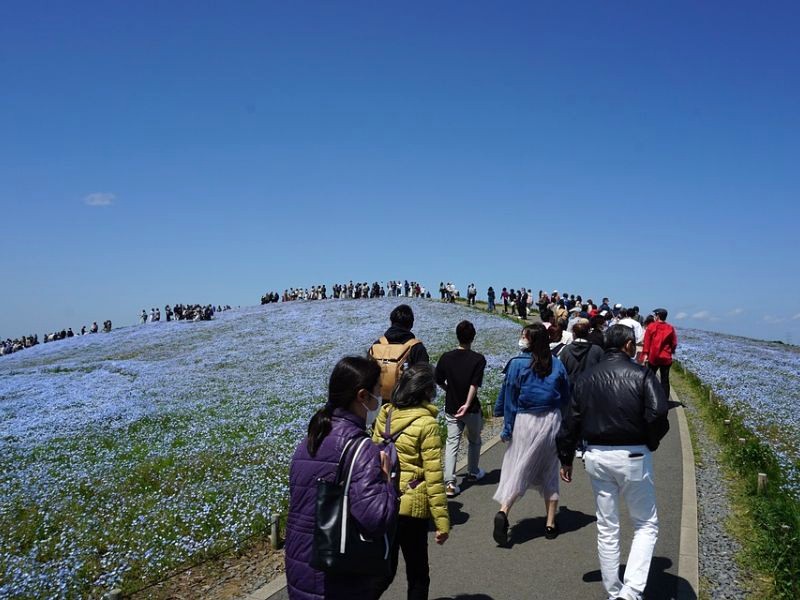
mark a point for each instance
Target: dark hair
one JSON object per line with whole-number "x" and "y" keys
{"x": 350, "y": 375}
{"x": 465, "y": 332}
{"x": 402, "y": 316}
{"x": 541, "y": 358}
{"x": 581, "y": 328}
{"x": 546, "y": 315}
{"x": 649, "y": 319}
{"x": 597, "y": 321}
{"x": 619, "y": 335}
{"x": 529, "y": 330}
{"x": 416, "y": 385}
{"x": 661, "y": 313}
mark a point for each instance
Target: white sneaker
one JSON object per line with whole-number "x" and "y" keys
{"x": 452, "y": 490}
{"x": 476, "y": 476}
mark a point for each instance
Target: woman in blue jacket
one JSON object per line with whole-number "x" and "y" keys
{"x": 353, "y": 403}
{"x": 530, "y": 403}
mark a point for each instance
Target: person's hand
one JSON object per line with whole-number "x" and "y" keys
{"x": 441, "y": 537}
{"x": 566, "y": 474}
{"x": 505, "y": 437}
{"x": 386, "y": 465}
{"x": 461, "y": 411}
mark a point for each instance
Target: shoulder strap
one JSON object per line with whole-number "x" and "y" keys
{"x": 387, "y": 430}
{"x": 343, "y": 458}
{"x": 353, "y": 462}
{"x": 411, "y": 343}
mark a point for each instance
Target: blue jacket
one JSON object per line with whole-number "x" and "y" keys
{"x": 525, "y": 392}
{"x": 373, "y": 504}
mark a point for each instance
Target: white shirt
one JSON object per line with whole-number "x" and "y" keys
{"x": 637, "y": 328}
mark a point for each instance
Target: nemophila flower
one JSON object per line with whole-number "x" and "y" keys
{"x": 759, "y": 379}
{"x": 125, "y": 455}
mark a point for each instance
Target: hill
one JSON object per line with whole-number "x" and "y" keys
{"x": 124, "y": 455}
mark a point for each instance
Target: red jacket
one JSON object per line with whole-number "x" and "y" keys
{"x": 660, "y": 343}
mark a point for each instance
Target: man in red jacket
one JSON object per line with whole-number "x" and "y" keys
{"x": 660, "y": 343}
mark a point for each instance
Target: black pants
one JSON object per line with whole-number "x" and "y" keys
{"x": 663, "y": 373}
{"x": 412, "y": 537}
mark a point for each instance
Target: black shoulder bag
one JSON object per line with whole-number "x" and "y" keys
{"x": 338, "y": 546}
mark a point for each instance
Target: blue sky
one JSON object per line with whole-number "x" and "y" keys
{"x": 154, "y": 153}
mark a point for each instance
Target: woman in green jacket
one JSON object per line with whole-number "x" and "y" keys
{"x": 419, "y": 450}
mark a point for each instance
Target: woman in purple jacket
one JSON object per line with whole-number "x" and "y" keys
{"x": 353, "y": 403}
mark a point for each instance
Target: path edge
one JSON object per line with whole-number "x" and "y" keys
{"x": 688, "y": 561}
{"x": 279, "y": 583}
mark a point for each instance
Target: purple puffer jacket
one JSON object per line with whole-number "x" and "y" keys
{"x": 373, "y": 504}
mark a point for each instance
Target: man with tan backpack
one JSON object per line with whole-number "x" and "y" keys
{"x": 398, "y": 349}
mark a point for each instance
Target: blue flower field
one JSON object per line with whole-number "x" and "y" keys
{"x": 126, "y": 455}
{"x": 759, "y": 379}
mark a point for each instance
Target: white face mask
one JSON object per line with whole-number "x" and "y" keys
{"x": 373, "y": 414}
{"x": 523, "y": 344}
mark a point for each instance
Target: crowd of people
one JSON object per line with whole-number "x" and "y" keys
{"x": 9, "y": 346}
{"x": 574, "y": 389}
{"x": 351, "y": 291}
{"x": 183, "y": 312}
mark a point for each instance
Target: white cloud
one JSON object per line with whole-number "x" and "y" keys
{"x": 736, "y": 312}
{"x": 681, "y": 316}
{"x": 796, "y": 317}
{"x": 773, "y": 320}
{"x": 702, "y": 314}
{"x": 100, "y": 199}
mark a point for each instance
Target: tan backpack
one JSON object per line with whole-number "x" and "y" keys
{"x": 392, "y": 359}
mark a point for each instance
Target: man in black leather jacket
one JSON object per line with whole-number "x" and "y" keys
{"x": 620, "y": 410}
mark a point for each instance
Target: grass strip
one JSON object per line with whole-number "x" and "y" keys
{"x": 767, "y": 522}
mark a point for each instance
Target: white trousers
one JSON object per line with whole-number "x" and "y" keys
{"x": 625, "y": 471}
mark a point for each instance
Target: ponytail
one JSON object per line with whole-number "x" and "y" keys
{"x": 351, "y": 374}
{"x": 318, "y": 428}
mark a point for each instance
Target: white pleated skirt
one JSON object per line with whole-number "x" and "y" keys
{"x": 531, "y": 459}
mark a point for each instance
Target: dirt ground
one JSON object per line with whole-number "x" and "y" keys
{"x": 228, "y": 577}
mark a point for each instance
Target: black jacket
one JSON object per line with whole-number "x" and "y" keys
{"x": 579, "y": 357}
{"x": 616, "y": 403}
{"x": 400, "y": 335}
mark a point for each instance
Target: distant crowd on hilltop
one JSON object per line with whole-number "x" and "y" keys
{"x": 178, "y": 312}
{"x": 350, "y": 290}
{"x": 183, "y": 312}
{"x": 9, "y": 346}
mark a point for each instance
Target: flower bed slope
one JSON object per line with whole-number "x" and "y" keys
{"x": 125, "y": 455}
{"x": 760, "y": 380}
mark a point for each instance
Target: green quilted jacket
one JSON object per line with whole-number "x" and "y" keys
{"x": 419, "y": 449}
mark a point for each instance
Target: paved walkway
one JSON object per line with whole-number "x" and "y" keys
{"x": 470, "y": 566}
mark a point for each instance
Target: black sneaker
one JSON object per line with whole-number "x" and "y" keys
{"x": 500, "y": 533}
{"x": 551, "y": 533}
